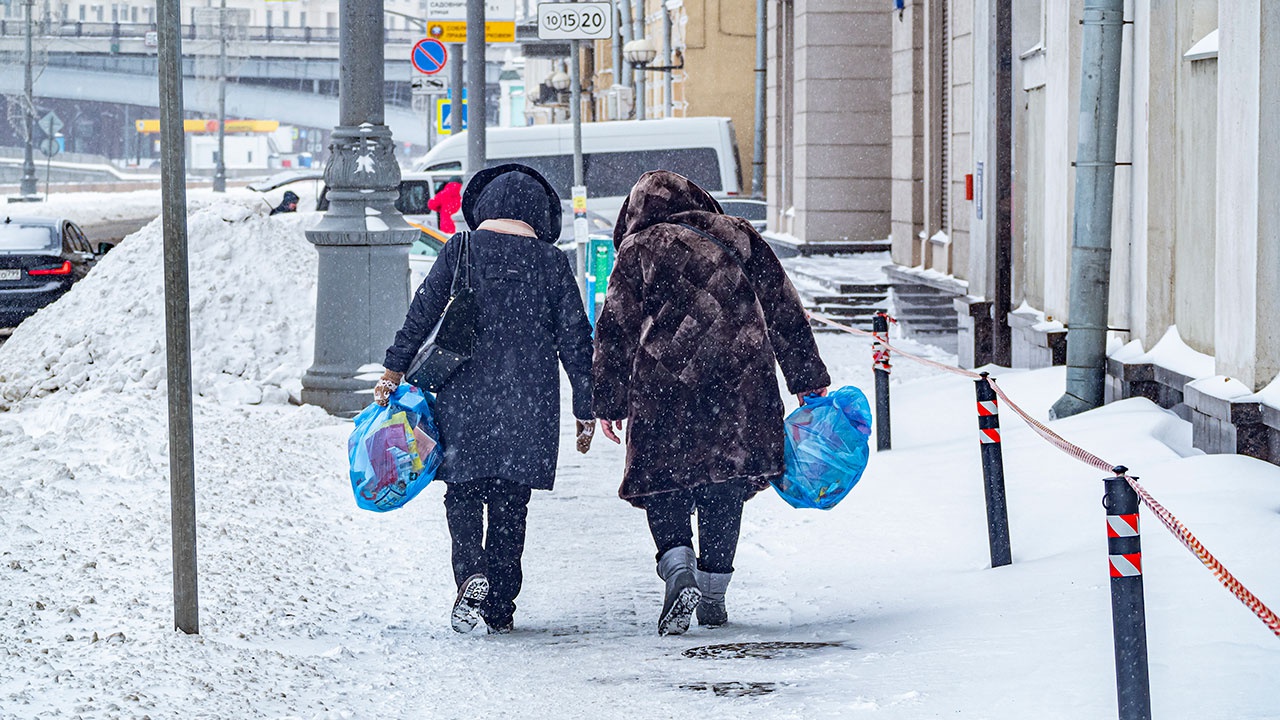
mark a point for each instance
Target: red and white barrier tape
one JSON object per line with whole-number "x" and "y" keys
{"x": 1166, "y": 518}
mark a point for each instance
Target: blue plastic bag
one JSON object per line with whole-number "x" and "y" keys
{"x": 825, "y": 449}
{"x": 394, "y": 451}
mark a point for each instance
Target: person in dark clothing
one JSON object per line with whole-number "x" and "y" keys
{"x": 445, "y": 203}
{"x": 499, "y": 414}
{"x": 288, "y": 204}
{"x": 697, "y": 312}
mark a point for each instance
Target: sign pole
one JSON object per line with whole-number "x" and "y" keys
{"x": 579, "y": 183}
{"x": 186, "y": 611}
{"x": 476, "y": 120}
{"x": 455, "y": 89}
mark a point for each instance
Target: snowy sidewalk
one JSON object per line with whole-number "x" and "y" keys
{"x": 311, "y": 608}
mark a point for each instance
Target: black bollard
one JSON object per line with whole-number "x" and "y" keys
{"x": 993, "y": 473}
{"x": 1128, "y": 612}
{"x": 880, "y": 361}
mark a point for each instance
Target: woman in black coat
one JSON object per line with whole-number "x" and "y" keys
{"x": 499, "y": 414}
{"x": 698, "y": 315}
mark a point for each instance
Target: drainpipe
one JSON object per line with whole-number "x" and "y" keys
{"x": 638, "y": 29}
{"x": 1095, "y": 195}
{"x": 762, "y": 52}
{"x": 670, "y": 60}
{"x": 624, "y": 14}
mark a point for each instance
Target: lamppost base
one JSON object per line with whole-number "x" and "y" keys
{"x": 25, "y": 198}
{"x": 340, "y": 394}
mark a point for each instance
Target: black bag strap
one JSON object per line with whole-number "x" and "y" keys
{"x": 464, "y": 237}
{"x": 729, "y": 251}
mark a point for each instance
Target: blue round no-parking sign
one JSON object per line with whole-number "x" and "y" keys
{"x": 429, "y": 56}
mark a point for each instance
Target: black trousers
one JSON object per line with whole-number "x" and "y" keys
{"x": 494, "y": 551}
{"x": 719, "y": 508}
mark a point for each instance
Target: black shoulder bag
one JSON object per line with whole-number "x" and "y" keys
{"x": 451, "y": 342}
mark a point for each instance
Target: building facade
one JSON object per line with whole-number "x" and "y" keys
{"x": 829, "y": 89}
{"x": 1195, "y": 265}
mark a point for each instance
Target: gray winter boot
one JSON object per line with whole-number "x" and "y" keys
{"x": 711, "y": 610}
{"x": 676, "y": 567}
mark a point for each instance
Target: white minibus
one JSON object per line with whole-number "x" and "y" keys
{"x": 615, "y": 155}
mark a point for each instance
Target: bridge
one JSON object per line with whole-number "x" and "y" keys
{"x": 285, "y": 74}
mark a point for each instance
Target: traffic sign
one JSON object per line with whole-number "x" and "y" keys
{"x": 50, "y": 124}
{"x": 429, "y": 56}
{"x": 575, "y": 21}
{"x": 52, "y": 145}
{"x": 444, "y": 109}
{"x": 447, "y": 21}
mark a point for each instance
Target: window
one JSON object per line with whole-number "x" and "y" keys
{"x": 82, "y": 8}
{"x": 269, "y": 14}
{"x": 612, "y": 174}
{"x": 284, "y": 22}
{"x": 15, "y": 238}
{"x": 302, "y": 19}
{"x": 413, "y": 198}
{"x": 557, "y": 169}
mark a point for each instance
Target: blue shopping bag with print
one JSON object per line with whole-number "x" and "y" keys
{"x": 825, "y": 449}
{"x": 394, "y": 451}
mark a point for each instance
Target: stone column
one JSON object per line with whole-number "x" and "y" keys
{"x": 1247, "y": 297}
{"x": 362, "y": 291}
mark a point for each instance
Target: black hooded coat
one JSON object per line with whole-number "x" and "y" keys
{"x": 499, "y": 415}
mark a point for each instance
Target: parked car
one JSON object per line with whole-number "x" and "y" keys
{"x": 423, "y": 253}
{"x": 754, "y": 211}
{"x": 40, "y": 259}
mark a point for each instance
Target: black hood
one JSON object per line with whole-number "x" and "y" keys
{"x": 513, "y": 192}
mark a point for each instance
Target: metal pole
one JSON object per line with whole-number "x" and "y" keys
{"x": 476, "y": 112}
{"x": 173, "y": 172}
{"x": 220, "y": 170}
{"x": 762, "y": 56}
{"x": 638, "y": 27}
{"x": 617, "y": 48}
{"x": 362, "y": 242}
{"x": 456, "y": 87}
{"x": 27, "y": 187}
{"x": 580, "y": 230}
{"x": 575, "y": 109}
{"x": 993, "y": 473}
{"x": 669, "y": 52}
{"x": 624, "y": 17}
{"x": 1001, "y": 335}
{"x": 1128, "y": 608}
{"x": 880, "y": 361}
{"x": 1095, "y": 195}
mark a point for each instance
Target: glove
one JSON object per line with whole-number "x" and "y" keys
{"x": 586, "y": 431}
{"x": 386, "y": 385}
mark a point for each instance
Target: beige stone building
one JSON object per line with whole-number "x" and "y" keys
{"x": 828, "y": 165}
{"x": 1195, "y": 251}
{"x": 715, "y": 39}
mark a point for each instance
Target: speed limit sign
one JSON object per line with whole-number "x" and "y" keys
{"x": 575, "y": 21}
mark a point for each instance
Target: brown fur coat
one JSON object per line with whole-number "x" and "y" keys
{"x": 685, "y": 351}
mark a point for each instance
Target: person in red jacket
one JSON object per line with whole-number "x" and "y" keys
{"x": 447, "y": 202}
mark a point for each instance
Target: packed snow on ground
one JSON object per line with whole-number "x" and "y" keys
{"x": 311, "y": 608}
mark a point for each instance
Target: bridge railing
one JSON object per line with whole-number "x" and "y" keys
{"x": 122, "y": 30}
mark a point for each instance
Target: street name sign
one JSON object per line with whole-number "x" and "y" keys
{"x": 447, "y": 21}
{"x": 575, "y": 21}
{"x": 429, "y": 56}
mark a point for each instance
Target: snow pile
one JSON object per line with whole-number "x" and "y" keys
{"x": 94, "y": 207}
{"x": 252, "y": 280}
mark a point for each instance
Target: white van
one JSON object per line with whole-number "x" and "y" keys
{"x": 615, "y": 155}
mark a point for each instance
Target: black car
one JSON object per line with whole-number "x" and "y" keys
{"x": 40, "y": 258}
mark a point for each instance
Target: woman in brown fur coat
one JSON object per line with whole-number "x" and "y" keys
{"x": 697, "y": 312}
